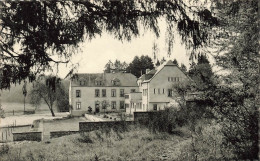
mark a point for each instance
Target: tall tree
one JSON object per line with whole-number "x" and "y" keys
{"x": 48, "y": 32}
{"x": 139, "y": 65}
{"x": 236, "y": 103}
{"x": 202, "y": 73}
{"x": 47, "y": 89}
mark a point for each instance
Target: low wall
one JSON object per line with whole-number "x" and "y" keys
{"x": 78, "y": 112}
{"x": 91, "y": 126}
{"x": 57, "y": 134}
{"x": 29, "y": 136}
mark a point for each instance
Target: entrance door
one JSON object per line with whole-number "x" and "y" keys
{"x": 97, "y": 108}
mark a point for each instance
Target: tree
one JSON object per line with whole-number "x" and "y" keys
{"x": 139, "y": 65}
{"x": 236, "y": 101}
{"x": 202, "y": 73}
{"x": 62, "y": 100}
{"x": 46, "y": 89}
{"x": 175, "y": 62}
{"x": 183, "y": 68}
{"x": 116, "y": 67}
{"x": 47, "y": 31}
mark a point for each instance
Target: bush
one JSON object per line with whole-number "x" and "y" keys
{"x": 4, "y": 149}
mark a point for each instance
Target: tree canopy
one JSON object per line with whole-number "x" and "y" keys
{"x": 39, "y": 34}
{"x": 236, "y": 98}
{"x": 139, "y": 65}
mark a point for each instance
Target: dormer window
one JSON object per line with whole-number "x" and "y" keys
{"x": 115, "y": 82}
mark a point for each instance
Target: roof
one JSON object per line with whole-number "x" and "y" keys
{"x": 89, "y": 79}
{"x": 156, "y": 71}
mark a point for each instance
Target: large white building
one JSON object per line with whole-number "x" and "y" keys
{"x": 101, "y": 92}
{"x": 123, "y": 92}
{"x": 156, "y": 88}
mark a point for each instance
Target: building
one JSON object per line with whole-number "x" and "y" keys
{"x": 101, "y": 92}
{"x": 156, "y": 88}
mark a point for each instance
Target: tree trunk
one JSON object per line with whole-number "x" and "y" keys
{"x": 52, "y": 113}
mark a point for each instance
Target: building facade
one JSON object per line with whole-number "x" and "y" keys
{"x": 156, "y": 87}
{"x": 123, "y": 92}
{"x": 100, "y": 92}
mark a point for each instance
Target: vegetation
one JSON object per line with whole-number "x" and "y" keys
{"x": 139, "y": 65}
{"x": 49, "y": 89}
{"x": 134, "y": 144}
{"x": 116, "y": 67}
{"x": 48, "y": 33}
{"x": 236, "y": 99}
{"x": 201, "y": 73}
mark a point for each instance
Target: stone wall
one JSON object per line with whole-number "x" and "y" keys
{"x": 104, "y": 125}
{"x": 56, "y": 134}
{"x": 29, "y": 136}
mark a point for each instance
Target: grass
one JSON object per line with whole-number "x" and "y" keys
{"x": 134, "y": 144}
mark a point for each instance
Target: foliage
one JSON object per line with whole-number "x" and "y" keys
{"x": 236, "y": 100}
{"x": 175, "y": 62}
{"x": 139, "y": 65}
{"x": 48, "y": 89}
{"x": 62, "y": 100}
{"x": 48, "y": 32}
{"x": 201, "y": 73}
{"x": 183, "y": 68}
{"x": 115, "y": 67}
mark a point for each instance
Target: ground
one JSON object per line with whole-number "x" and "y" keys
{"x": 134, "y": 144}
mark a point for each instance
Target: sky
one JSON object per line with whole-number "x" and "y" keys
{"x": 93, "y": 55}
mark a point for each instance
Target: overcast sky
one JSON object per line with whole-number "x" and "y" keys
{"x": 93, "y": 55}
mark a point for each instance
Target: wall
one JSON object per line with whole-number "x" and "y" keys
{"x": 91, "y": 126}
{"x": 29, "y": 136}
{"x": 57, "y": 134}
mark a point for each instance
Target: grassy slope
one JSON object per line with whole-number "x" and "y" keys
{"x": 135, "y": 144}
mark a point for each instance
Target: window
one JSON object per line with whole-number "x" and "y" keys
{"x": 104, "y": 93}
{"x": 122, "y": 93}
{"x": 143, "y": 92}
{"x": 78, "y": 105}
{"x": 154, "y": 90}
{"x": 159, "y": 91}
{"x": 163, "y": 90}
{"x": 169, "y": 92}
{"x": 78, "y": 93}
{"x": 132, "y": 90}
{"x": 126, "y": 96}
{"x": 113, "y": 93}
{"x": 113, "y": 103}
{"x": 98, "y": 83}
{"x": 155, "y": 107}
{"x": 177, "y": 79}
{"x": 122, "y": 103}
{"x": 96, "y": 92}
{"x": 172, "y": 79}
{"x": 126, "y": 105}
{"x": 168, "y": 79}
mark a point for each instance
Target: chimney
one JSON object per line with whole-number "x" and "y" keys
{"x": 147, "y": 71}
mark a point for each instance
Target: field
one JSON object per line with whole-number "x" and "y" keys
{"x": 134, "y": 144}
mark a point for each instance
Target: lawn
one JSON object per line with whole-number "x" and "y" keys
{"x": 133, "y": 144}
